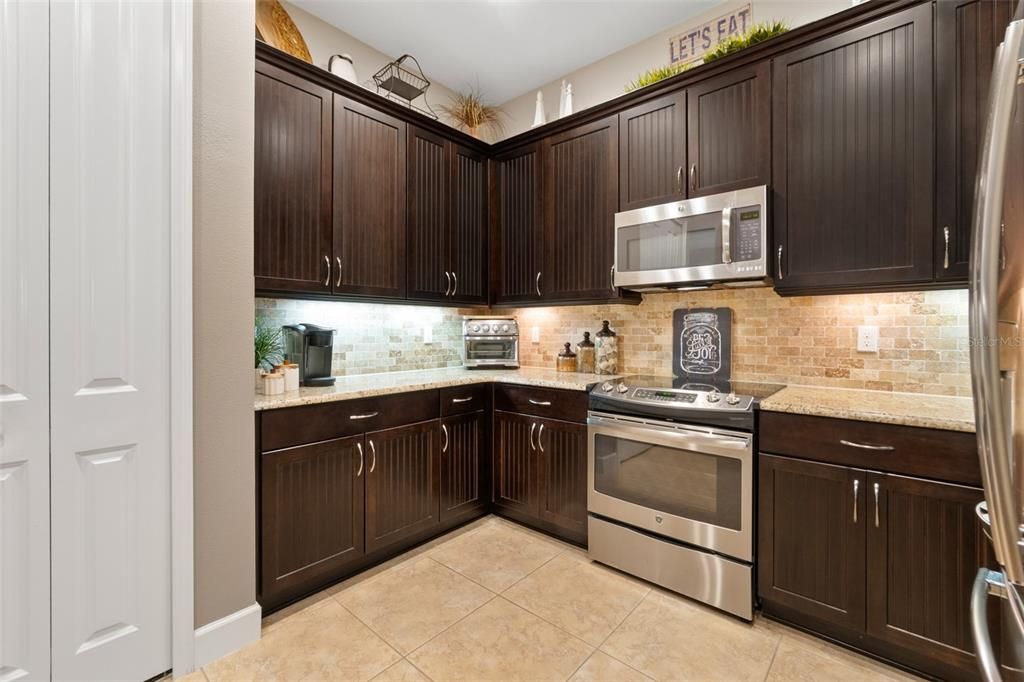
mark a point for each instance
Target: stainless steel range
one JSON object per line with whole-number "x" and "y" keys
{"x": 670, "y": 495}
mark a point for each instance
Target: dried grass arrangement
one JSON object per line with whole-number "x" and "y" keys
{"x": 468, "y": 112}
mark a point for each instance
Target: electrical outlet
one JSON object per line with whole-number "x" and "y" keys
{"x": 534, "y": 334}
{"x": 428, "y": 334}
{"x": 867, "y": 339}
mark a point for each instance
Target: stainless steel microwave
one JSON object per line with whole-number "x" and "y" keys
{"x": 717, "y": 240}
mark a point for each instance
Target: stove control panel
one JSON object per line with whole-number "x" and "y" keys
{"x": 679, "y": 397}
{"x": 664, "y": 396}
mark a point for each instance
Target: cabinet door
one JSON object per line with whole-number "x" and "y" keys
{"x": 562, "y": 478}
{"x": 369, "y": 201}
{"x": 311, "y": 516}
{"x": 853, "y": 157}
{"x": 464, "y": 439}
{"x": 428, "y": 275}
{"x": 520, "y": 225}
{"x": 467, "y": 244}
{"x": 969, "y": 32}
{"x": 402, "y": 483}
{"x": 811, "y": 535}
{"x": 515, "y": 454}
{"x": 652, "y": 152}
{"x": 729, "y": 141}
{"x": 292, "y": 183}
{"x": 924, "y": 550}
{"x": 581, "y": 194}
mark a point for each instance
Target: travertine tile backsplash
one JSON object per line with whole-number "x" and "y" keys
{"x": 802, "y": 340}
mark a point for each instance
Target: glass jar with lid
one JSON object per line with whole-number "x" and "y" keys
{"x": 586, "y": 354}
{"x": 607, "y": 350}
{"x": 566, "y": 361}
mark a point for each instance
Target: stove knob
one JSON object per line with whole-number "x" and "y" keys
{"x": 475, "y": 329}
{"x": 732, "y": 399}
{"x": 623, "y": 388}
{"x": 714, "y": 397}
{"x": 607, "y": 387}
{"x": 504, "y": 328}
{"x": 486, "y": 328}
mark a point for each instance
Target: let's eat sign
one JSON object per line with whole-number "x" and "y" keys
{"x": 692, "y": 44}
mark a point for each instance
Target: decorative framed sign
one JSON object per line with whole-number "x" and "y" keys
{"x": 690, "y": 45}
{"x": 702, "y": 343}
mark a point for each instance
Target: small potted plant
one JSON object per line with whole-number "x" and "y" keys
{"x": 469, "y": 113}
{"x": 269, "y": 351}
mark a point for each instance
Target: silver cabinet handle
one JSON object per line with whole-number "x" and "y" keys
{"x": 533, "y": 425}
{"x": 455, "y": 286}
{"x": 856, "y": 487}
{"x": 444, "y": 430}
{"x": 461, "y": 400}
{"x": 359, "y": 446}
{"x": 876, "y": 505}
{"x": 373, "y": 456}
{"x": 611, "y": 278}
{"x": 447, "y": 283}
{"x": 542, "y": 403}
{"x": 679, "y": 180}
{"x": 368, "y": 415}
{"x": 327, "y": 282}
{"x": 866, "y": 446}
{"x": 337, "y": 277}
{"x": 538, "y": 284}
{"x": 693, "y": 176}
{"x": 945, "y": 258}
{"x": 540, "y": 434}
{"x": 778, "y": 256}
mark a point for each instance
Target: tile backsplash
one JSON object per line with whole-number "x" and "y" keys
{"x": 800, "y": 340}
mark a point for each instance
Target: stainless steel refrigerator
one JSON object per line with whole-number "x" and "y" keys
{"x": 997, "y": 362}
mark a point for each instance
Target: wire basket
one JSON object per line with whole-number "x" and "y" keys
{"x": 397, "y": 82}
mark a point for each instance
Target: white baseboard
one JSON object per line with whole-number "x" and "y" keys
{"x": 230, "y": 633}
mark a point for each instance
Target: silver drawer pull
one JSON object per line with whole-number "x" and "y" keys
{"x": 856, "y": 487}
{"x": 542, "y": 403}
{"x": 866, "y": 446}
{"x": 368, "y": 415}
{"x": 462, "y": 400}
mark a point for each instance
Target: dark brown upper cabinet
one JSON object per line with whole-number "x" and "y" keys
{"x": 369, "y": 201}
{"x": 467, "y": 244}
{"x": 429, "y": 190}
{"x": 652, "y": 152}
{"x": 581, "y": 192}
{"x": 967, "y": 34}
{"x": 853, "y": 143}
{"x": 729, "y": 131}
{"x": 292, "y": 212}
{"x": 519, "y": 225}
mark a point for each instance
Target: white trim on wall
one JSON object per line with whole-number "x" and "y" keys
{"x": 230, "y": 633}
{"x": 183, "y": 634}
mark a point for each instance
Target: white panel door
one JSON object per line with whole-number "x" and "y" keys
{"x": 109, "y": 348}
{"x": 24, "y": 354}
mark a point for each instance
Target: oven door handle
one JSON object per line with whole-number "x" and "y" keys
{"x": 733, "y": 444}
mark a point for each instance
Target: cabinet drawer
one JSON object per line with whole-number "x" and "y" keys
{"x": 463, "y": 399}
{"x": 542, "y": 402}
{"x": 314, "y": 423}
{"x": 909, "y": 450}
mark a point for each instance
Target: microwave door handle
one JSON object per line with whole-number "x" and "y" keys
{"x": 726, "y": 229}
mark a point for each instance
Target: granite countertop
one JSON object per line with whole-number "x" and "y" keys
{"x": 366, "y": 385}
{"x": 908, "y": 409}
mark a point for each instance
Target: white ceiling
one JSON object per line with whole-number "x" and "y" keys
{"x": 503, "y": 48}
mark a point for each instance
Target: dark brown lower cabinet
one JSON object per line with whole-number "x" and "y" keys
{"x": 402, "y": 483}
{"x": 880, "y": 561}
{"x": 464, "y": 446}
{"x": 311, "y": 515}
{"x": 514, "y": 462}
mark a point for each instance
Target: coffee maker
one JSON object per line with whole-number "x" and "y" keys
{"x": 310, "y": 347}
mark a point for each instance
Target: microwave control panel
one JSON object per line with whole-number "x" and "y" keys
{"x": 748, "y": 233}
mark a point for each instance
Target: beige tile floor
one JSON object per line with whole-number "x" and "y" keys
{"x": 495, "y": 601}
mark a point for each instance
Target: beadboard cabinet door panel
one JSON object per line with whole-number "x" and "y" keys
{"x": 652, "y": 152}
{"x": 429, "y": 191}
{"x": 467, "y": 242}
{"x": 581, "y": 193}
{"x": 465, "y": 453}
{"x": 515, "y": 463}
{"x": 729, "y": 138}
{"x": 369, "y": 201}
{"x": 292, "y": 192}
{"x": 968, "y": 32}
{"x": 519, "y": 260}
{"x": 563, "y": 475}
{"x": 853, "y": 129}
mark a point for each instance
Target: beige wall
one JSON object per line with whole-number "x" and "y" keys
{"x": 606, "y": 79}
{"x": 324, "y": 40}
{"x": 225, "y": 522}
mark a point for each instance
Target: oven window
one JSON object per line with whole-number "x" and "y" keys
{"x": 676, "y": 243}
{"x": 490, "y": 349}
{"x": 684, "y": 483}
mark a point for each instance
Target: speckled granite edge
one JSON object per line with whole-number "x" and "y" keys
{"x": 906, "y": 409}
{"x": 369, "y": 385}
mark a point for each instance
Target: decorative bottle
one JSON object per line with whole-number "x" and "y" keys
{"x": 586, "y": 354}
{"x": 566, "y": 360}
{"x": 607, "y": 350}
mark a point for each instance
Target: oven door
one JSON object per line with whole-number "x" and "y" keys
{"x": 492, "y": 350}
{"x": 690, "y": 484}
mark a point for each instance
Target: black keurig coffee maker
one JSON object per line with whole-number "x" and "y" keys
{"x": 310, "y": 347}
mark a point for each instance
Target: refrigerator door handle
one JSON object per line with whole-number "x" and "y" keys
{"x": 987, "y": 582}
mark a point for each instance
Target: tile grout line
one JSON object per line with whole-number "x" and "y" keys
{"x": 775, "y": 652}
{"x": 449, "y": 627}
{"x": 374, "y": 632}
{"x": 417, "y": 668}
{"x": 609, "y": 635}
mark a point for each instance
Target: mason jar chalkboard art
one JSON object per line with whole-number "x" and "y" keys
{"x": 703, "y": 342}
